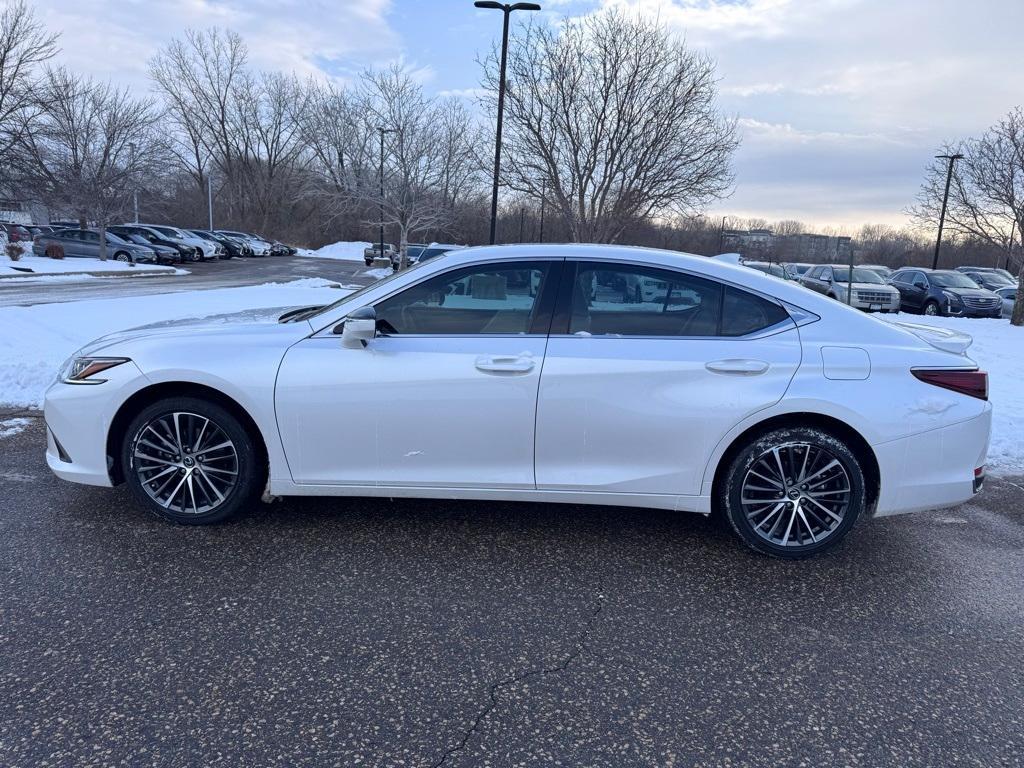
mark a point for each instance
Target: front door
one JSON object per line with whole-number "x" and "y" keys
{"x": 638, "y": 390}
{"x": 445, "y": 396}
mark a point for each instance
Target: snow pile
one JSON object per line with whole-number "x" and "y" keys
{"x": 37, "y": 339}
{"x": 11, "y": 427}
{"x": 345, "y": 251}
{"x": 45, "y": 266}
{"x": 999, "y": 349}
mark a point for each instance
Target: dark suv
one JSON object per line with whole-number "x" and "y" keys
{"x": 944, "y": 292}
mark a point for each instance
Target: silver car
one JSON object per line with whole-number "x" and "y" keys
{"x": 870, "y": 291}
{"x": 1009, "y": 295}
{"x": 85, "y": 243}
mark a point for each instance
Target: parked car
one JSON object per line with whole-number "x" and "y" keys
{"x": 155, "y": 239}
{"x": 85, "y": 243}
{"x": 769, "y": 268}
{"x": 259, "y": 246}
{"x": 413, "y": 251}
{"x": 870, "y": 291}
{"x": 374, "y": 252}
{"x": 882, "y": 271}
{"x": 16, "y": 233}
{"x": 204, "y": 249}
{"x": 997, "y": 270}
{"x": 944, "y": 292}
{"x": 989, "y": 280}
{"x": 791, "y": 413}
{"x": 277, "y": 248}
{"x": 164, "y": 254}
{"x": 794, "y": 270}
{"x": 1008, "y": 295}
{"x": 434, "y": 250}
{"x": 228, "y": 247}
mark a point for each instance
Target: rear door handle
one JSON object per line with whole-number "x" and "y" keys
{"x": 738, "y": 367}
{"x": 510, "y": 364}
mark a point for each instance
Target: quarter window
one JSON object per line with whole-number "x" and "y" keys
{"x": 488, "y": 299}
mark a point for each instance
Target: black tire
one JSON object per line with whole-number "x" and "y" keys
{"x": 122, "y": 256}
{"x": 790, "y": 442}
{"x": 249, "y": 463}
{"x": 932, "y": 305}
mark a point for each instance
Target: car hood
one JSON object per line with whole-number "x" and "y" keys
{"x": 250, "y": 323}
{"x": 981, "y": 293}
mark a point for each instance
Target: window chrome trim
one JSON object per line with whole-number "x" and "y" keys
{"x": 772, "y": 330}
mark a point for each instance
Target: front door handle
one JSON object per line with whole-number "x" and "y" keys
{"x": 738, "y": 367}
{"x": 510, "y": 364}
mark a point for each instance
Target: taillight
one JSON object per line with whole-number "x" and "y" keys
{"x": 971, "y": 383}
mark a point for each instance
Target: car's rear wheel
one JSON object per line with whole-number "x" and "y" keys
{"x": 191, "y": 461}
{"x": 932, "y": 308}
{"x": 794, "y": 492}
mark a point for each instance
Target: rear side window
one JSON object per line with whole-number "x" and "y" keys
{"x": 617, "y": 300}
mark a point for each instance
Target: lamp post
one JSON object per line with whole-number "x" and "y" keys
{"x": 507, "y": 9}
{"x": 135, "y": 189}
{"x": 543, "y": 198}
{"x": 209, "y": 198}
{"x": 945, "y": 198}
{"x": 380, "y": 203}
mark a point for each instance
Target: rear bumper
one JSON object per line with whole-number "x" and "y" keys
{"x": 933, "y": 469}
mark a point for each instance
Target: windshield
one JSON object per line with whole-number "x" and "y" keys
{"x": 364, "y": 289}
{"x": 952, "y": 280}
{"x": 860, "y": 275}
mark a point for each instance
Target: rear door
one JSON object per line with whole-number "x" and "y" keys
{"x": 637, "y": 391}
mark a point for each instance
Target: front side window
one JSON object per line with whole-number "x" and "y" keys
{"x": 499, "y": 298}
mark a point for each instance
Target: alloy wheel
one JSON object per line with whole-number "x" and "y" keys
{"x": 185, "y": 462}
{"x": 796, "y": 494}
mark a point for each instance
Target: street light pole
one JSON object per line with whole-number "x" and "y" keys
{"x": 507, "y": 9}
{"x": 135, "y": 189}
{"x": 209, "y": 198}
{"x": 380, "y": 203}
{"x": 945, "y": 199}
{"x": 543, "y": 198}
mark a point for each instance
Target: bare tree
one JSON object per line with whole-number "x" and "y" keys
{"x": 24, "y": 44}
{"x": 617, "y": 117}
{"x": 87, "y": 148}
{"x": 986, "y": 196}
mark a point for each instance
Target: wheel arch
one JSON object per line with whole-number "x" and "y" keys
{"x": 861, "y": 448}
{"x": 151, "y": 394}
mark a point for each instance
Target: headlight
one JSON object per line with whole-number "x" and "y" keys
{"x": 82, "y": 370}
{"x": 952, "y": 297}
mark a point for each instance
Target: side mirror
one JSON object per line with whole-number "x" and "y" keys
{"x": 358, "y": 328}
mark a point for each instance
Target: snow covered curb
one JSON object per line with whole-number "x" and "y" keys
{"x": 29, "y": 267}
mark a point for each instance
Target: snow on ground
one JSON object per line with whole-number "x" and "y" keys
{"x": 346, "y": 251}
{"x": 45, "y": 266}
{"x": 999, "y": 349}
{"x": 35, "y": 340}
{"x": 11, "y": 427}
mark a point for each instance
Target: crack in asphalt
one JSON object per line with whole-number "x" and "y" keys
{"x": 495, "y": 688}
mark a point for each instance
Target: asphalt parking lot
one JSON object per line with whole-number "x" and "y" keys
{"x": 226, "y": 273}
{"x": 426, "y": 633}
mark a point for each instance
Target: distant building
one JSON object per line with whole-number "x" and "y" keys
{"x": 763, "y": 244}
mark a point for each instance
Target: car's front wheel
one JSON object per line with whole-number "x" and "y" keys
{"x": 793, "y": 492}
{"x": 191, "y": 461}
{"x": 932, "y": 308}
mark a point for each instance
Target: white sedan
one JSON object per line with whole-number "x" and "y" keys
{"x": 536, "y": 373}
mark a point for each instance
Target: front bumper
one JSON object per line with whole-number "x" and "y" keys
{"x": 78, "y": 419}
{"x": 890, "y": 304}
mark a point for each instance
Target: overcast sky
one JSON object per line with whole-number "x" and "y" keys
{"x": 841, "y": 102}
